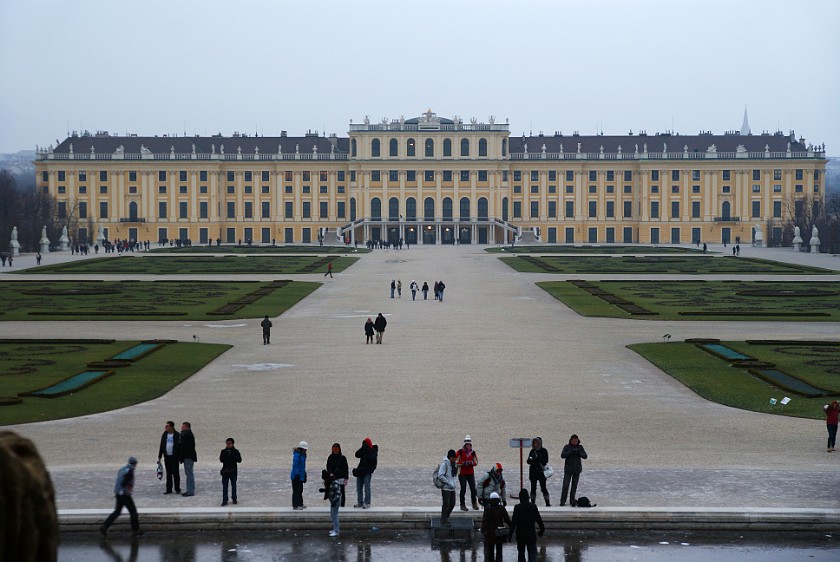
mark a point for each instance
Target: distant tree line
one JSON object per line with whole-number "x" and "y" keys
{"x": 27, "y": 209}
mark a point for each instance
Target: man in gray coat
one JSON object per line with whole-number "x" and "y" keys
{"x": 447, "y": 474}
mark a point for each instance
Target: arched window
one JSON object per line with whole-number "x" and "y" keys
{"x": 482, "y": 147}
{"x": 447, "y": 208}
{"x": 352, "y": 209}
{"x": 410, "y": 147}
{"x": 393, "y": 209}
{"x": 447, "y": 147}
{"x": 482, "y": 208}
{"x": 465, "y": 208}
{"x": 353, "y": 148}
{"x": 411, "y": 209}
{"x": 504, "y": 208}
{"x": 376, "y": 209}
{"x": 430, "y": 148}
{"x": 132, "y": 211}
{"x": 725, "y": 210}
{"x": 429, "y": 209}
{"x": 374, "y": 148}
{"x": 393, "y": 147}
{"x": 504, "y": 148}
{"x": 465, "y": 147}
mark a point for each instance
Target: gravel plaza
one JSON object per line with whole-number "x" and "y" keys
{"x": 498, "y": 358}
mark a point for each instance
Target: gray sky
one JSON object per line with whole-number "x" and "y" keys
{"x": 165, "y": 67}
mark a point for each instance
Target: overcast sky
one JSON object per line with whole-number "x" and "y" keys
{"x": 165, "y": 67}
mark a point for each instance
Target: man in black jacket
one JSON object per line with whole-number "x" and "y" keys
{"x": 170, "y": 451}
{"x": 379, "y": 325}
{"x": 229, "y": 457}
{"x": 525, "y": 516}
{"x": 188, "y": 457}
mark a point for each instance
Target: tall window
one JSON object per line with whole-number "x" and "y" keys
{"x": 482, "y": 147}
{"x": 307, "y": 210}
{"x": 202, "y": 209}
{"x": 162, "y": 209}
{"x": 447, "y": 208}
{"x": 535, "y": 209}
{"x": 593, "y": 209}
{"x": 375, "y": 208}
{"x": 182, "y": 210}
{"x": 265, "y": 209}
{"x": 447, "y": 147}
{"x": 353, "y": 148}
{"x": 323, "y": 212}
{"x": 410, "y": 148}
{"x": 695, "y": 209}
{"x": 465, "y": 208}
{"x": 570, "y": 209}
{"x": 654, "y": 209}
{"x": 465, "y": 147}
{"x": 411, "y": 209}
{"x": 429, "y": 209}
{"x": 675, "y": 209}
{"x": 482, "y": 208}
{"x": 231, "y": 209}
{"x": 429, "y": 150}
{"x": 393, "y": 209}
{"x": 374, "y": 148}
{"x": 393, "y": 147}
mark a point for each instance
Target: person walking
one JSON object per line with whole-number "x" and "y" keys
{"x": 537, "y": 461}
{"x": 573, "y": 452}
{"x": 369, "y": 331}
{"x": 298, "y": 474}
{"x": 493, "y": 482}
{"x": 446, "y": 474}
{"x": 441, "y": 287}
{"x": 367, "y": 454}
{"x": 425, "y": 290}
{"x": 230, "y": 458}
{"x": 379, "y": 326}
{"x": 467, "y": 459}
{"x": 831, "y": 412}
{"x": 337, "y": 469}
{"x": 413, "y": 287}
{"x": 170, "y": 451}
{"x": 266, "y": 327}
{"x": 393, "y": 287}
{"x": 493, "y": 528}
{"x": 399, "y": 288}
{"x": 188, "y": 457}
{"x": 123, "y": 488}
{"x": 336, "y": 497}
{"x": 525, "y": 516}
{"x": 437, "y": 290}
{"x": 329, "y": 270}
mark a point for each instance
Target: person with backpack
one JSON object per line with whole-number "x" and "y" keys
{"x": 466, "y": 460}
{"x": 573, "y": 453}
{"x": 367, "y": 455}
{"x": 525, "y": 516}
{"x": 493, "y": 482}
{"x": 447, "y": 482}
{"x": 537, "y": 461}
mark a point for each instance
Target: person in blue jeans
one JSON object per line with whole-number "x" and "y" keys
{"x": 335, "y": 494}
{"x": 367, "y": 454}
{"x": 298, "y": 474}
{"x": 188, "y": 457}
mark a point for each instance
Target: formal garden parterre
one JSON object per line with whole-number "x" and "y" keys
{"x": 700, "y": 300}
{"x": 48, "y": 379}
{"x": 676, "y": 264}
{"x": 754, "y": 374}
{"x": 592, "y": 249}
{"x": 145, "y": 300}
{"x": 210, "y": 264}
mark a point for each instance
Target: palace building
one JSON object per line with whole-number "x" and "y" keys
{"x": 432, "y": 180}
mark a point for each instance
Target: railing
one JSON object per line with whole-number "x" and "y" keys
{"x": 397, "y": 126}
{"x": 134, "y": 219}
{"x": 267, "y": 157}
{"x": 727, "y": 219}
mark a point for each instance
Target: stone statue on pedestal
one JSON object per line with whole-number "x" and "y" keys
{"x": 64, "y": 240}
{"x": 758, "y": 239}
{"x": 14, "y": 245}
{"x": 797, "y": 240}
{"x": 44, "y": 242}
{"x": 815, "y": 240}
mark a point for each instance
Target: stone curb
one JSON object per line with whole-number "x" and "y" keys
{"x": 414, "y": 518}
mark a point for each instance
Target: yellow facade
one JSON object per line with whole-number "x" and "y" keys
{"x": 431, "y": 180}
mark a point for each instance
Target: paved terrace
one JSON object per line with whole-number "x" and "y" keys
{"x": 499, "y": 358}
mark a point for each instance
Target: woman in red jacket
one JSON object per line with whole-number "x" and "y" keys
{"x": 831, "y": 411}
{"x": 466, "y": 460}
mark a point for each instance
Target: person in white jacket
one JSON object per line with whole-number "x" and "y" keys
{"x": 447, "y": 473}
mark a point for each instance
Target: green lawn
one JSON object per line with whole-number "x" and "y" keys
{"x": 146, "y": 300}
{"x": 702, "y": 300}
{"x": 28, "y": 366}
{"x": 593, "y": 249}
{"x": 714, "y": 379}
{"x": 690, "y": 264}
{"x": 245, "y": 249}
{"x": 171, "y": 265}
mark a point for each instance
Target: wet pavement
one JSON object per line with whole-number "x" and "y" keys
{"x": 371, "y": 546}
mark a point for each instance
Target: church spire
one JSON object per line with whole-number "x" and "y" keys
{"x": 745, "y": 128}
